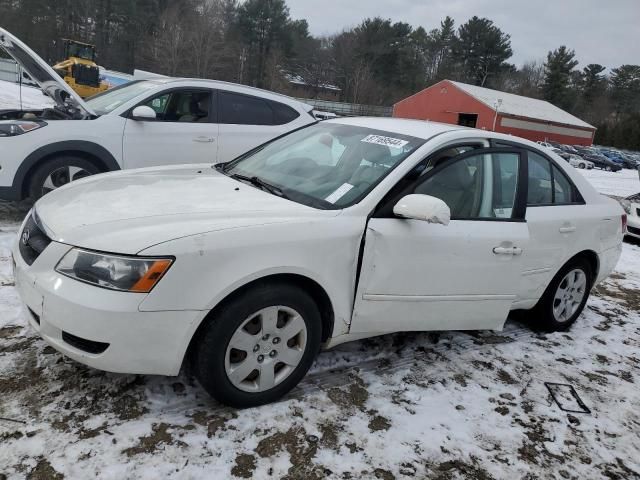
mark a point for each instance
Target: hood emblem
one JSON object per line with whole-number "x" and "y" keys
{"x": 25, "y": 237}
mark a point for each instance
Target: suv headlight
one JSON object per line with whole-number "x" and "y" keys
{"x": 115, "y": 272}
{"x": 18, "y": 127}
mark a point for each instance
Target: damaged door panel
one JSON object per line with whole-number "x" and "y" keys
{"x": 421, "y": 276}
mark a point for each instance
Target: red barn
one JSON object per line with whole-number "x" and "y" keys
{"x": 462, "y": 104}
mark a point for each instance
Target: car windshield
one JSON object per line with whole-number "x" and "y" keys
{"x": 325, "y": 165}
{"x": 109, "y": 100}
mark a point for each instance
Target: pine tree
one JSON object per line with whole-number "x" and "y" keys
{"x": 558, "y": 77}
{"x": 482, "y": 50}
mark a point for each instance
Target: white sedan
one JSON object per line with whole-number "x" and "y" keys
{"x": 579, "y": 162}
{"x": 631, "y": 205}
{"x": 342, "y": 230}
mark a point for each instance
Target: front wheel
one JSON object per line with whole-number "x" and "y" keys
{"x": 57, "y": 172}
{"x": 258, "y": 346}
{"x": 565, "y": 297}
{"x": 581, "y": 165}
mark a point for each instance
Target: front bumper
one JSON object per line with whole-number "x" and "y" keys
{"x": 100, "y": 328}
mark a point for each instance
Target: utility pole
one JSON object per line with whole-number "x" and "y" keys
{"x": 243, "y": 58}
{"x": 495, "y": 117}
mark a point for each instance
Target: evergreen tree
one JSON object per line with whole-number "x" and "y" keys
{"x": 558, "y": 77}
{"x": 482, "y": 50}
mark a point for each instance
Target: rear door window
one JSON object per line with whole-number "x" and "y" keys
{"x": 540, "y": 189}
{"x": 244, "y": 110}
{"x": 240, "y": 109}
{"x": 548, "y": 184}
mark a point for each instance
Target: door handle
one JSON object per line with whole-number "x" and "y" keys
{"x": 203, "y": 139}
{"x": 567, "y": 229}
{"x": 507, "y": 250}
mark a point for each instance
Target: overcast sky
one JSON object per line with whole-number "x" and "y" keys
{"x": 600, "y": 31}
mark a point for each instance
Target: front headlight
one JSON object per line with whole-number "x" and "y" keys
{"x": 115, "y": 272}
{"x": 626, "y": 205}
{"x": 18, "y": 127}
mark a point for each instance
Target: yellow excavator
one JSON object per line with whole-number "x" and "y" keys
{"x": 79, "y": 69}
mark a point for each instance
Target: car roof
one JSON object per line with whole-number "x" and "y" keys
{"x": 222, "y": 84}
{"x": 426, "y": 129}
{"x": 404, "y": 126}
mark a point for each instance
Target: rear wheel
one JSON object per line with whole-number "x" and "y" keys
{"x": 258, "y": 346}
{"x": 57, "y": 172}
{"x": 581, "y": 165}
{"x": 565, "y": 297}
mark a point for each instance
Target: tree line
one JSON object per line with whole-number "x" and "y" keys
{"x": 377, "y": 62}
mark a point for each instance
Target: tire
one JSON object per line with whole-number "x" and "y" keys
{"x": 607, "y": 168}
{"x": 56, "y": 172}
{"x": 581, "y": 165}
{"x": 260, "y": 376}
{"x": 548, "y": 314}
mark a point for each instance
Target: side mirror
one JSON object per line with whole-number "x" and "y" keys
{"x": 423, "y": 207}
{"x": 143, "y": 113}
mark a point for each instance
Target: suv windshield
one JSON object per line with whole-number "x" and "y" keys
{"x": 326, "y": 165}
{"x": 109, "y": 100}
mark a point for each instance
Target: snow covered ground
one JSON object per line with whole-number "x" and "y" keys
{"x": 31, "y": 97}
{"x": 622, "y": 183}
{"x": 454, "y": 405}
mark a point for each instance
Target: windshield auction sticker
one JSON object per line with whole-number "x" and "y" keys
{"x": 386, "y": 141}
{"x": 339, "y": 193}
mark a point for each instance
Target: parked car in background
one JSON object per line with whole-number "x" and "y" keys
{"x": 144, "y": 123}
{"x": 578, "y": 162}
{"x": 569, "y": 149}
{"x": 631, "y": 206}
{"x": 612, "y": 155}
{"x": 247, "y": 269}
{"x": 599, "y": 160}
{"x": 560, "y": 153}
{"x": 629, "y": 160}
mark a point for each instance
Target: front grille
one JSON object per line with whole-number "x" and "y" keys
{"x": 32, "y": 241}
{"x": 634, "y": 230}
{"x": 83, "y": 344}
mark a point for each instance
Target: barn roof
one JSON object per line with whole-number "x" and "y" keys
{"x": 520, "y": 106}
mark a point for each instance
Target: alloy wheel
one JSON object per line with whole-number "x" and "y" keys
{"x": 569, "y": 295}
{"x": 61, "y": 176}
{"x": 265, "y": 349}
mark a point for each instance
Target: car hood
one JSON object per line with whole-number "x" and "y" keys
{"x": 126, "y": 212}
{"x": 45, "y": 76}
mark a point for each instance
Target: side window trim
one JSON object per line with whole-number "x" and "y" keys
{"x": 520, "y": 198}
{"x": 170, "y": 91}
{"x": 576, "y": 196}
{"x": 384, "y": 209}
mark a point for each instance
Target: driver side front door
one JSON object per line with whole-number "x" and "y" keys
{"x": 184, "y": 131}
{"x": 465, "y": 275}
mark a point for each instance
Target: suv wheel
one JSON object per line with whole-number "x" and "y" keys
{"x": 565, "y": 297}
{"x": 258, "y": 346}
{"x": 58, "y": 172}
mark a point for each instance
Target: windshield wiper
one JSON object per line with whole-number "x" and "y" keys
{"x": 258, "y": 182}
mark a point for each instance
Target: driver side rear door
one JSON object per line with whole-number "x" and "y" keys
{"x": 465, "y": 275}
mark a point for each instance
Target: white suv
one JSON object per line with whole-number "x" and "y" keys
{"x": 141, "y": 124}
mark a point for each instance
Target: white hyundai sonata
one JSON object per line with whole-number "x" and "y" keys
{"x": 341, "y": 230}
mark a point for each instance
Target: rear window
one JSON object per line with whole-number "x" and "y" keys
{"x": 242, "y": 109}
